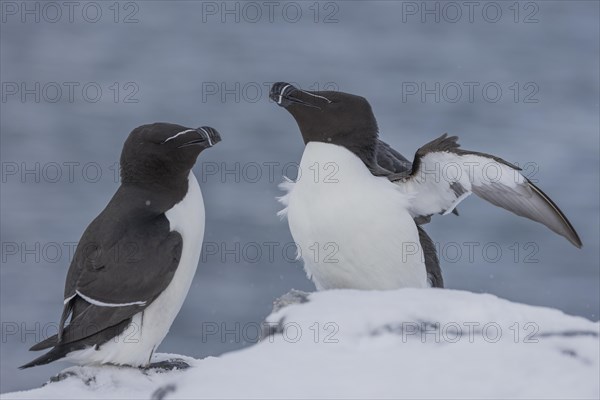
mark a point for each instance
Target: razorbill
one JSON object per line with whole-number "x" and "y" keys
{"x": 134, "y": 263}
{"x": 361, "y": 203}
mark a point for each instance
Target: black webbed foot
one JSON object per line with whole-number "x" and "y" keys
{"x": 167, "y": 365}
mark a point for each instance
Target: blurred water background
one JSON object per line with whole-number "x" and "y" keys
{"x": 180, "y": 62}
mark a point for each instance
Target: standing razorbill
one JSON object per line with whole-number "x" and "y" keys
{"x": 361, "y": 203}
{"x": 135, "y": 262}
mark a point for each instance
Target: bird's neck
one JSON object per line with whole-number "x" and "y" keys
{"x": 330, "y": 163}
{"x": 152, "y": 197}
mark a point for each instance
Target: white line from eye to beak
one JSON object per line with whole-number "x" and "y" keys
{"x": 180, "y": 133}
{"x": 315, "y": 95}
{"x": 207, "y": 136}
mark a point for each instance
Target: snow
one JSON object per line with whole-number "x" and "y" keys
{"x": 408, "y": 343}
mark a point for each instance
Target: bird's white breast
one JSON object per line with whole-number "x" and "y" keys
{"x": 148, "y": 328}
{"x": 353, "y": 229}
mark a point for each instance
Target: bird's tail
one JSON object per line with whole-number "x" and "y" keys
{"x": 53, "y": 355}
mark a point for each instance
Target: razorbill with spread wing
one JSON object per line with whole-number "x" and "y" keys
{"x": 135, "y": 262}
{"x": 362, "y": 200}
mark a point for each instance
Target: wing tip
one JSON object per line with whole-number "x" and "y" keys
{"x": 575, "y": 240}
{"x": 53, "y": 355}
{"x": 569, "y": 231}
{"x": 28, "y": 365}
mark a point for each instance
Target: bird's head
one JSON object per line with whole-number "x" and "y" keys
{"x": 162, "y": 151}
{"x": 328, "y": 116}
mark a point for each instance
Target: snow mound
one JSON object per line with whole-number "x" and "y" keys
{"x": 410, "y": 343}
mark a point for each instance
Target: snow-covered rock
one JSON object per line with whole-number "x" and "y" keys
{"x": 410, "y": 343}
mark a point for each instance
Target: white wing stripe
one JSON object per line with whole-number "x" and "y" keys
{"x": 69, "y": 299}
{"x": 103, "y": 304}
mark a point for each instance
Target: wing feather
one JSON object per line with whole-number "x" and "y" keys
{"x": 111, "y": 280}
{"x": 443, "y": 175}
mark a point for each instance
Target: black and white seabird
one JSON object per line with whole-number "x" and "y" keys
{"x": 365, "y": 202}
{"x": 135, "y": 262}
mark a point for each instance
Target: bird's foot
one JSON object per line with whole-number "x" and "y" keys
{"x": 167, "y": 365}
{"x": 61, "y": 377}
{"x": 87, "y": 380}
{"x": 292, "y": 297}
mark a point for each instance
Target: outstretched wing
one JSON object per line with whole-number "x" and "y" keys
{"x": 442, "y": 175}
{"x": 117, "y": 271}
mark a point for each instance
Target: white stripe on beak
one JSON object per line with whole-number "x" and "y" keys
{"x": 207, "y": 136}
{"x": 281, "y": 93}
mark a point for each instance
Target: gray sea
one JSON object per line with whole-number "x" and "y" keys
{"x": 519, "y": 80}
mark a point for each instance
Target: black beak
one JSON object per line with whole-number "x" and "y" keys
{"x": 285, "y": 94}
{"x": 280, "y": 92}
{"x": 208, "y": 137}
{"x": 212, "y": 135}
